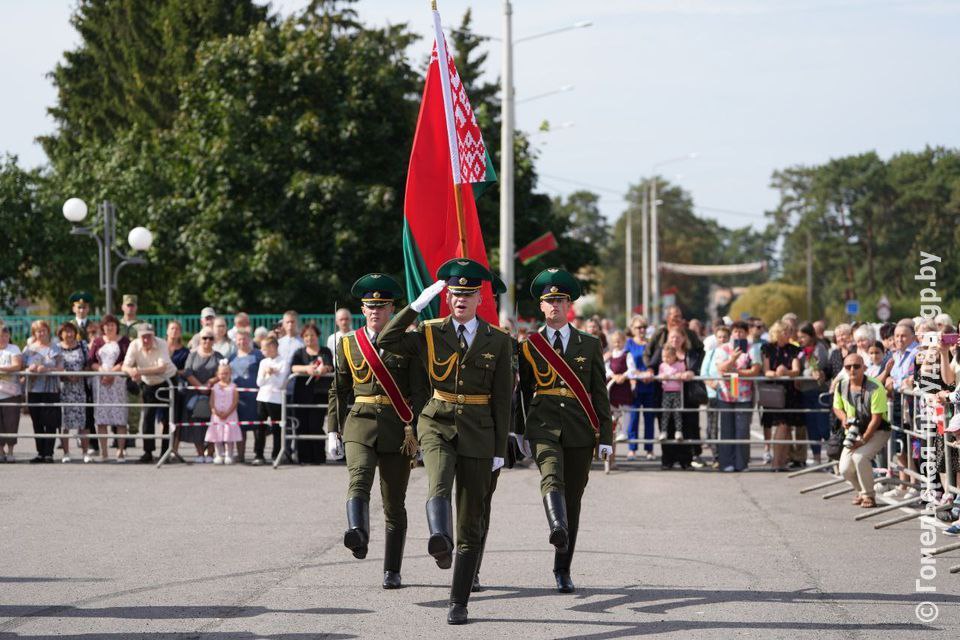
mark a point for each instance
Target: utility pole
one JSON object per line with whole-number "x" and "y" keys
{"x": 645, "y": 255}
{"x": 507, "y": 300}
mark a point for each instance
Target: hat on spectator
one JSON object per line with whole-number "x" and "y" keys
{"x": 463, "y": 276}
{"x": 376, "y": 290}
{"x": 145, "y": 328}
{"x": 129, "y": 298}
{"x": 81, "y": 296}
{"x": 555, "y": 283}
{"x": 207, "y": 313}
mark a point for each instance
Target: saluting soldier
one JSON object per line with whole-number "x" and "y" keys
{"x": 463, "y": 427}
{"x": 563, "y": 383}
{"x": 388, "y": 392}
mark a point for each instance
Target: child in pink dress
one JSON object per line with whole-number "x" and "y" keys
{"x": 224, "y": 429}
{"x": 671, "y": 422}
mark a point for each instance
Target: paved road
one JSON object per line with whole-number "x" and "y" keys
{"x": 113, "y": 551}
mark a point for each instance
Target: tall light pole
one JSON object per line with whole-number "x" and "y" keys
{"x": 655, "y": 235}
{"x": 507, "y": 259}
{"x": 139, "y": 238}
{"x": 645, "y": 255}
{"x": 507, "y": 262}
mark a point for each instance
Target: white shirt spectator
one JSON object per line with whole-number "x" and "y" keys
{"x": 287, "y": 346}
{"x": 9, "y": 387}
{"x": 272, "y": 384}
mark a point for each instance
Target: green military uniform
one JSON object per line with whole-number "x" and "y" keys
{"x": 463, "y": 426}
{"x": 87, "y": 299}
{"x": 373, "y": 433}
{"x": 498, "y": 288}
{"x": 562, "y": 437}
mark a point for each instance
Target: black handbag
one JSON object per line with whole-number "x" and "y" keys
{"x": 695, "y": 393}
{"x": 771, "y": 396}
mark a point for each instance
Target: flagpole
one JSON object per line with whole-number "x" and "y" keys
{"x": 447, "y": 100}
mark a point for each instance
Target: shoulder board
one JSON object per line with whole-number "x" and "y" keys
{"x": 501, "y": 330}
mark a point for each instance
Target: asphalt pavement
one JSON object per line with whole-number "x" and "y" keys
{"x": 211, "y": 552}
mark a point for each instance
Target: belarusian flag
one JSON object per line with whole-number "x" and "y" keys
{"x": 544, "y": 244}
{"x": 448, "y": 154}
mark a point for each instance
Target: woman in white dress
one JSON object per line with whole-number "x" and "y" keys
{"x": 106, "y": 354}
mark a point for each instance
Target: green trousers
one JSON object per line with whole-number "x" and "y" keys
{"x": 472, "y": 476}
{"x": 565, "y": 470}
{"x": 362, "y": 461}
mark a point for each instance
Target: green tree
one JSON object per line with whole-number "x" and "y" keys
{"x": 770, "y": 301}
{"x": 130, "y": 65}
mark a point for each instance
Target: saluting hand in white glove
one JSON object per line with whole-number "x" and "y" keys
{"x": 428, "y": 295}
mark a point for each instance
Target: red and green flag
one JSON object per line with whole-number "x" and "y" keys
{"x": 544, "y": 244}
{"x": 448, "y": 158}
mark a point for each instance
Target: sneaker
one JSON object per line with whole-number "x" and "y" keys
{"x": 952, "y": 531}
{"x": 662, "y": 436}
{"x": 910, "y": 494}
{"x": 87, "y": 458}
{"x": 767, "y": 457}
{"x": 65, "y": 459}
{"x": 227, "y": 460}
{"x": 678, "y": 437}
{"x": 622, "y": 437}
{"x": 200, "y": 460}
{"x": 257, "y": 462}
{"x": 208, "y": 459}
{"x": 218, "y": 460}
{"x": 729, "y": 469}
{"x": 649, "y": 456}
{"x": 894, "y": 493}
{"x": 697, "y": 463}
{"x": 121, "y": 459}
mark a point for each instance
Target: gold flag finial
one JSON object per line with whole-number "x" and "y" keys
{"x": 433, "y": 4}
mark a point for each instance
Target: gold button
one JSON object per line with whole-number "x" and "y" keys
{"x": 461, "y": 381}
{"x": 561, "y": 404}
{"x": 459, "y": 410}
{"x": 562, "y": 383}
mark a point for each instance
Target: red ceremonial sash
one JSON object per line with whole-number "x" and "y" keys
{"x": 372, "y": 356}
{"x": 567, "y": 375}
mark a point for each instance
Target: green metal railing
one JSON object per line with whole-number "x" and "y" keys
{"x": 20, "y": 325}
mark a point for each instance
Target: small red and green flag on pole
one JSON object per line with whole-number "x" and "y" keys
{"x": 544, "y": 244}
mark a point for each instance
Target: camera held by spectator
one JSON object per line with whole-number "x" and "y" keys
{"x": 853, "y": 432}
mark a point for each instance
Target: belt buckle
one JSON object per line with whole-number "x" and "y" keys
{"x": 376, "y": 399}
{"x": 460, "y": 398}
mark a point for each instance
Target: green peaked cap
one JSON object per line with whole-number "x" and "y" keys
{"x": 555, "y": 283}
{"x": 376, "y": 289}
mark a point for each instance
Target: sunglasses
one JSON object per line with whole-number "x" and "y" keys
{"x": 852, "y": 367}
{"x": 205, "y": 338}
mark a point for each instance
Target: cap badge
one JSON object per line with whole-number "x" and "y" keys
{"x": 553, "y": 270}
{"x": 462, "y": 281}
{"x": 554, "y": 289}
{"x": 376, "y": 294}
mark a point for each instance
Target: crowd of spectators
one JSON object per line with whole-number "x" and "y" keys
{"x": 796, "y": 380}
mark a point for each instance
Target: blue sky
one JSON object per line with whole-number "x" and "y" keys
{"x": 751, "y": 85}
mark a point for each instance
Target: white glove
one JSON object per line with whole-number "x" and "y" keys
{"x": 428, "y": 295}
{"x": 523, "y": 444}
{"x": 497, "y": 463}
{"x": 605, "y": 451}
{"x": 334, "y": 446}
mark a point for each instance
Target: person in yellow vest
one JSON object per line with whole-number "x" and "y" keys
{"x": 463, "y": 427}
{"x": 563, "y": 384}
{"x": 374, "y": 434}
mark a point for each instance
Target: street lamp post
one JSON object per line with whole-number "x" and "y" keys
{"x": 655, "y": 236}
{"x": 507, "y": 259}
{"x": 139, "y": 238}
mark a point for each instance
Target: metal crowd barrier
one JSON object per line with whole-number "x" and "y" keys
{"x": 912, "y": 404}
{"x": 285, "y": 449}
{"x": 82, "y": 432}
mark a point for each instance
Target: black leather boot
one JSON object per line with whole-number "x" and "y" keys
{"x": 357, "y": 534}
{"x": 556, "y": 507}
{"x": 464, "y": 572}
{"x": 393, "y": 557}
{"x": 440, "y": 522}
{"x": 476, "y": 576}
{"x": 561, "y": 565}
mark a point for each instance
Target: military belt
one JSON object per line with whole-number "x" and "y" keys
{"x": 559, "y": 391}
{"x": 460, "y": 398}
{"x": 373, "y": 400}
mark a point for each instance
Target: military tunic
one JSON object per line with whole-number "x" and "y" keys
{"x": 466, "y": 421}
{"x": 372, "y": 431}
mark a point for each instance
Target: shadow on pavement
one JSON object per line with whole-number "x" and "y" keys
{"x": 160, "y": 612}
{"x": 200, "y": 635}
